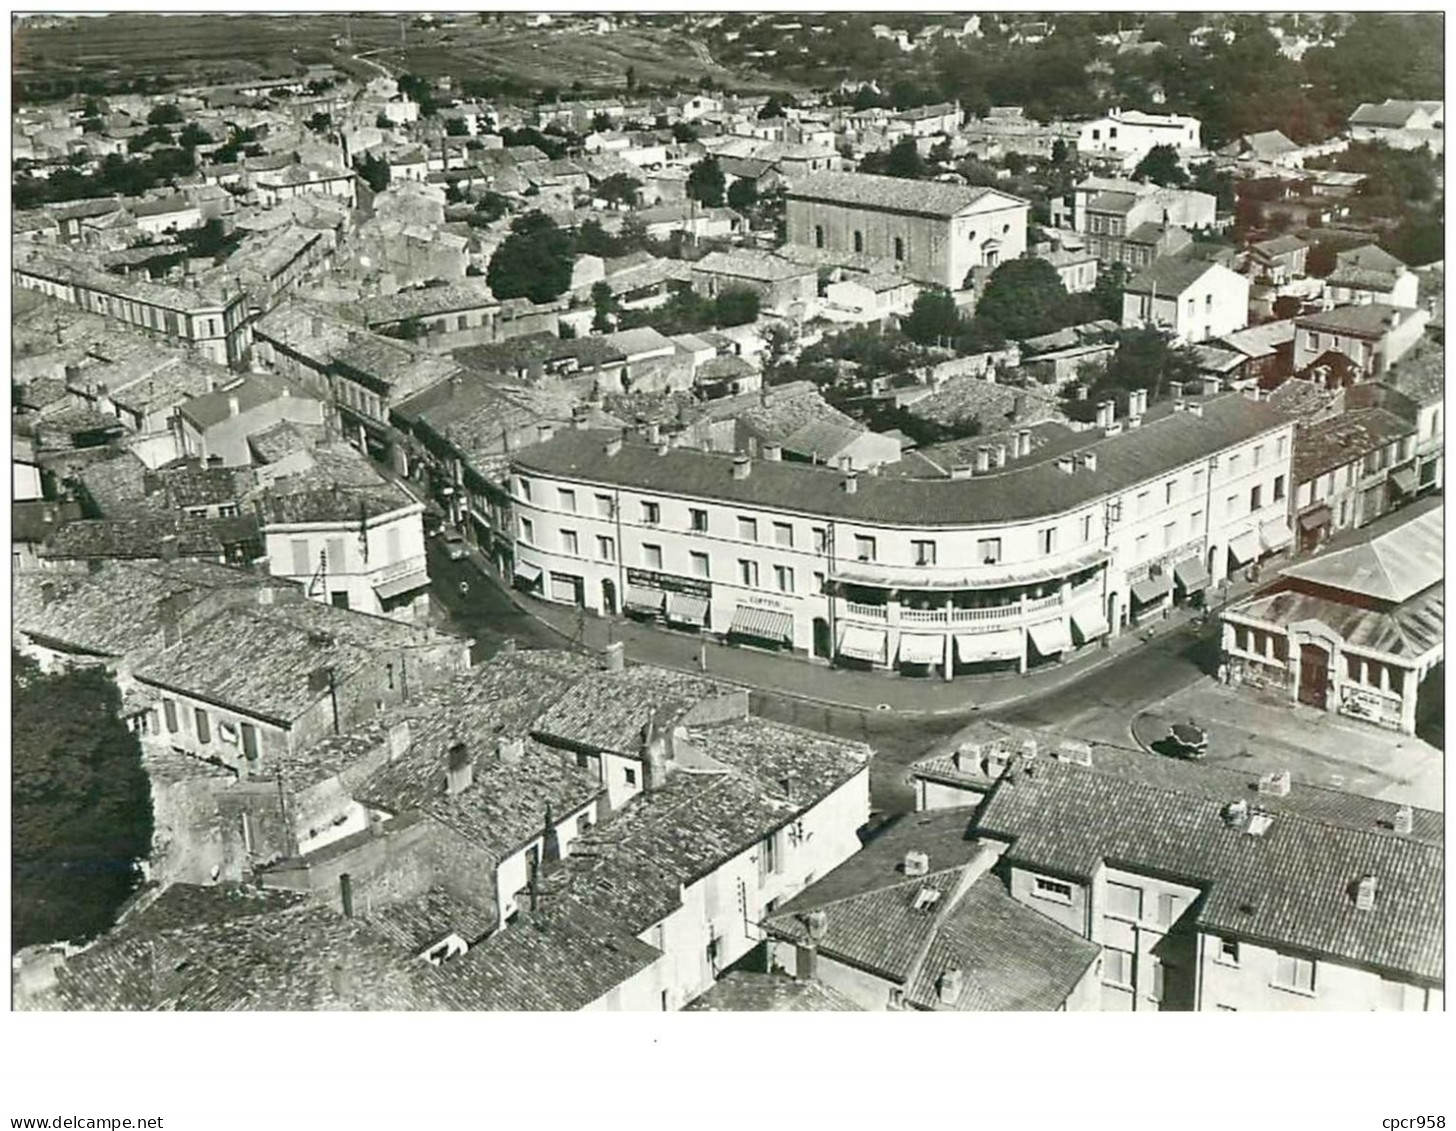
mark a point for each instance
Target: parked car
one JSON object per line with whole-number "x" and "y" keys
{"x": 455, "y": 545}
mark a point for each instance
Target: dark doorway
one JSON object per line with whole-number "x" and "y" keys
{"x": 823, "y": 641}
{"x": 1314, "y": 675}
{"x": 609, "y": 597}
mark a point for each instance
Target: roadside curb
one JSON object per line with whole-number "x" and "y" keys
{"x": 1026, "y": 693}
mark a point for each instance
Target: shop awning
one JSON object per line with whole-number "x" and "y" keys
{"x": 685, "y": 608}
{"x": 528, "y": 572}
{"x": 863, "y": 643}
{"x": 1050, "y": 637}
{"x": 922, "y": 649}
{"x": 1191, "y": 575}
{"x": 1404, "y": 479}
{"x": 1150, "y": 589}
{"x": 1314, "y": 519}
{"x": 1245, "y": 548}
{"x": 1090, "y": 623}
{"x": 763, "y": 624}
{"x": 980, "y": 647}
{"x": 641, "y": 600}
{"x": 1275, "y": 535}
{"x": 417, "y": 579}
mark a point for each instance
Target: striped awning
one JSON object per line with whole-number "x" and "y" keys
{"x": 418, "y": 579}
{"x": 1190, "y": 574}
{"x": 864, "y": 643}
{"x": 1275, "y": 535}
{"x": 686, "y": 608}
{"x": 528, "y": 572}
{"x": 1150, "y": 589}
{"x": 1050, "y": 637}
{"x": 980, "y": 647}
{"x": 921, "y": 649}
{"x": 762, "y": 624}
{"x": 641, "y": 600}
{"x": 1404, "y": 479}
{"x": 1090, "y": 623}
{"x": 1245, "y": 548}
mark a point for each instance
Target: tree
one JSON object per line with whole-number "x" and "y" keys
{"x": 1023, "y": 299}
{"x": 165, "y": 114}
{"x": 601, "y": 122}
{"x": 773, "y": 108}
{"x": 374, "y": 171}
{"x": 1107, "y": 291}
{"x": 1161, "y": 166}
{"x": 533, "y": 262}
{"x": 192, "y": 136}
{"x": 320, "y": 122}
{"x": 1147, "y": 359}
{"x": 631, "y": 79}
{"x": 742, "y": 194}
{"x": 1059, "y": 152}
{"x": 457, "y": 127}
{"x": 736, "y": 306}
{"x": 605, "y": 305}
{"x": 706, "y": 182}
{"x": 81, "y": 816}
{"x": 934, "y": 319}
{"x": 619, "y": 188}
{"x": 682, "y": 133}
{"x": 901, "y": 160}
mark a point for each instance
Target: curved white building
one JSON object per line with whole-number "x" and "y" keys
{"x": 1050, "y": 540}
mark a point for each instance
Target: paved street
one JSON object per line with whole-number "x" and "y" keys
{"x": 485, "y": 613}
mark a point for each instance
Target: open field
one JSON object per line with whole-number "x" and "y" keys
{"x": 188, "y": 49}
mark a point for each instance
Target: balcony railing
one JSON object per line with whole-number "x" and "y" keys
{"x": 866, "y": 612}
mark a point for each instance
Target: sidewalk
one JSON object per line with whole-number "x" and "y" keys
{"x": 817, "y": 682}
{"x": 1260, "y": 735}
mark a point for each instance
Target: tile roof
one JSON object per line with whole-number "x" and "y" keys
{"x": 1391, "y": 114}
{"x": 1025, "y": 489}
{"x": 141, "y": 537}
{"x": 865, "y": 190}
{"x": 1362, "y": 279}
{"x": 743, "y": 264}
{"x": 1392, "y": 562}
{"x": 117, "y": 487}
{"x": 1011, "y": 957}
{"x": 402, "y": 370}
{"x": 1279, "y": 245}
{"x": 607, "y": 711}
{"x": 270, "y": 679}
{"x": 1372, "y": 319}
{"x": 282, "y": 440}
{"x": 426, "y": 302}
{"x": 1288, "y": 887}
{"x": 547, "y": 960}
{"x": 1327, "y": 444}
{"x": 1370, "y": 257}
{"x": 1169, "y": 276}
{"x": 1408, "y": 632}
{"x": 251, "y": 391}
{"x": 427, "y": 919}
{"x": 739, "y": 991}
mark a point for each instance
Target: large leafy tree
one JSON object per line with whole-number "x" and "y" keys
{"x": 1161, "y": 166}
{"x": 901, "y": 160}
{"x": 933, "y": 320}
{"x": 533, "y": 262}
{"x": 1024, "y": 298}
{"x": 81, "y": 815}
{"x": 706, "y": 182}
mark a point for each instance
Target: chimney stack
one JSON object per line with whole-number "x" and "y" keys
{"x": 1365, "y": 893}
{"x": 652, "y": 432}
{"x": 460, "y": 769}
{"x": 742, "y": 466}
{"x": 233, "y": 407}
{"x": 1023, "y": 443}
{"x": 545, "y": 431}
{"x": 851, "y": 482}
{"x": 580, "y": 415}
{"x": 399, "y": 740}
{"x": 654, "y": 754}
{"x": 983, "y": 459}
{"x": 613, "y": 447}
{"x": 916, "y": 864}
{"x": 1000, "y": 455}
{"x": 806, "y": 961}
{"x": 48, "y": 592}
{"x": 616, "y": 656}
{"x": 1106, "y": 413}
{"x": 846, "y": 463}
{"x": 510, "y": 750}
{"x": 346, "y": 894}
{"x": 773, "y": 453}
{"x": 1275, "y": 784}
{"x": 949, "y": 985}
{"x": 1404, "y": 821}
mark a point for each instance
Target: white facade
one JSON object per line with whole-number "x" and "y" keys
{"x": 1235, "y": 974}
{"x": 380, "y": 569}
{"x": 1072, "y": 573}
{"x": 1131, "y": 134}
{"x": 1216, "y": 303}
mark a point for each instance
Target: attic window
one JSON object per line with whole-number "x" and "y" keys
{"x": 925, "y": 899}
